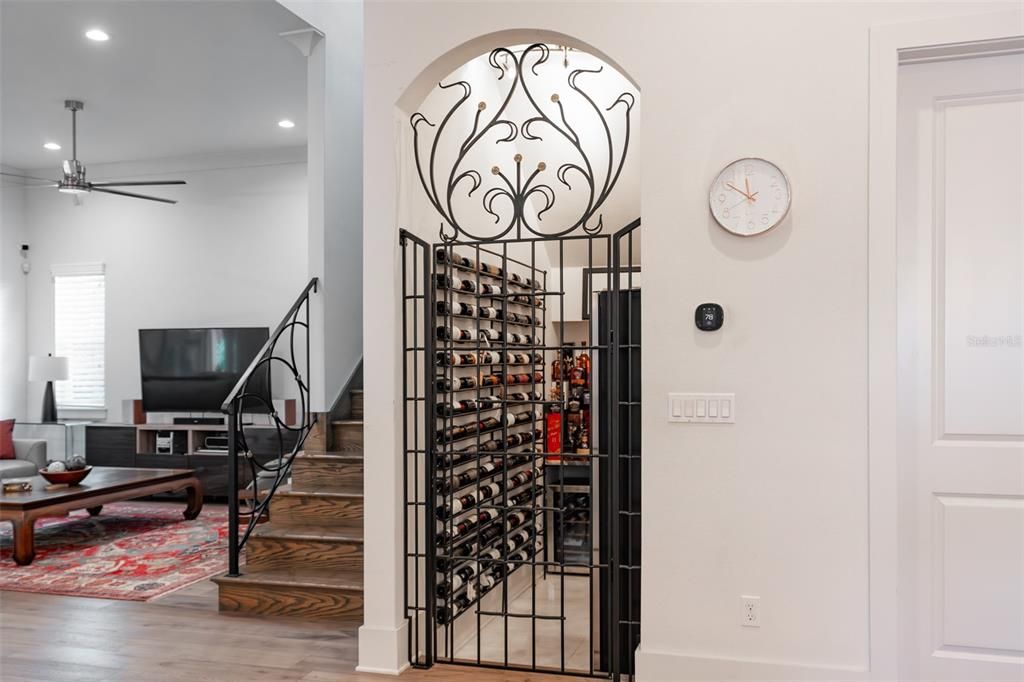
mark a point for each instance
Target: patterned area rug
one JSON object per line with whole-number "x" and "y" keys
{"x": 133, "y": 550}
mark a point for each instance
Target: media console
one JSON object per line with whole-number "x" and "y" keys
{"x": 127, "y": 445}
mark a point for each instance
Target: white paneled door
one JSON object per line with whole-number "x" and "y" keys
{"x": 961, "y": 346}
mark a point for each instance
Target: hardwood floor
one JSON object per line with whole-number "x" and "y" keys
{"x": 183, "y": 637}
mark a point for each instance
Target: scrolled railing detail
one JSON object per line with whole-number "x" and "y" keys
{"x": 512, "y": 191}
{"x": 279, "y": 350}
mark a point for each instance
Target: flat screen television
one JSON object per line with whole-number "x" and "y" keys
{"x": 194, "y": 370}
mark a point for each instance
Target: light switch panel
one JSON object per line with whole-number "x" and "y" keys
{"x": 702, "y": 408}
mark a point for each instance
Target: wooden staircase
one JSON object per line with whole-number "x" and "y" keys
{"x": 307, "y": 561}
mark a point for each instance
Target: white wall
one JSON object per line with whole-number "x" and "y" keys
{"x": 336, "y": 231}
{"x": 13, "y": 363}
{"x": 776, "y": 505}
{"x": 232, "y": 252}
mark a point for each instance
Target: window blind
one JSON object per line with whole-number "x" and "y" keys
{"x": 79, "y": 321}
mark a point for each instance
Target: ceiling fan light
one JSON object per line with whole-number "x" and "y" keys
{"x": 72, "y": 190}
{"x": 52, "y": 146}
{"x": 285, "y": 123}
{"x": 98, "y": 35}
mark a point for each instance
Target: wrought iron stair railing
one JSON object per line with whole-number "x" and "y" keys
{"x": 292, "y": 335}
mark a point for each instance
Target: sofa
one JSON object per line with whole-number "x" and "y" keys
{"x": 29, "y": 458}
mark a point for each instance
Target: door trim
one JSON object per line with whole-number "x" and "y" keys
{"x": 890, "y": 435}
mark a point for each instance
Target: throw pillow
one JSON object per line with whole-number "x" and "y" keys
{"x": 7, "y": 439}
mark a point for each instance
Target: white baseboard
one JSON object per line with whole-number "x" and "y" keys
{"x": 383, "y": 650}
{"x": 662, "y": 666}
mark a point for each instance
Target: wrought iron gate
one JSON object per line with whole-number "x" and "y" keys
{"x": 521, "y": 493}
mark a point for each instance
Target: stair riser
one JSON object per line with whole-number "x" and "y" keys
{"x": 307, "y": 472}
{"x": 315, "y": 510}
{"x": 316, "y": 441}
{"x": 283, "y": 553}
{"x": 347, "y": 437}
{"x": 344, "y": 606}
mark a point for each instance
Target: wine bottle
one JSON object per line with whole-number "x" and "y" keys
{"x": 453, "y": 334}
{"x": 458, "y": 579}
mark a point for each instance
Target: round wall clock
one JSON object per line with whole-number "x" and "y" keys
{"x": 750, "y": 196}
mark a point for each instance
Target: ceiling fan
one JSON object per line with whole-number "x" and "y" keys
{"x": 74, "y": 181}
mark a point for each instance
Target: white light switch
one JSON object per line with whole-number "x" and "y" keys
{"x": 703, "y": 408}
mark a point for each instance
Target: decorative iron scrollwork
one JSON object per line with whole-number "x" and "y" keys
{"x": 513, "y": 191}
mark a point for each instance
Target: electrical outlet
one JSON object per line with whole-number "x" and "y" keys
{"x": 750, "y": 615}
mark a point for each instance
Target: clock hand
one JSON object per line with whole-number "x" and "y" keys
{"x": 747, "y": 185}
{"x": 734, "y": 187}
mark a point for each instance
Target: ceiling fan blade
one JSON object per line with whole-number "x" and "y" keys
{"x": 138, "y": 183}
{"x": 28, "y": 177}
{"x": 134, "y": 196}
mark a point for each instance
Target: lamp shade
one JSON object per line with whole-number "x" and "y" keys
{"x": 47, "y": 368}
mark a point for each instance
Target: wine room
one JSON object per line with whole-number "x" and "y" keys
{"x": 520, "y": 260}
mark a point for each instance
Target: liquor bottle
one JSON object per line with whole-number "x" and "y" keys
{"x": 490, "y": 335}
{"x": 442, "y": 281}
{"x": 460, "y": 604}
{"x": 488, "y": 313}
{"x": 466, "y": 285}
{"x": 490, "y": 380}
{"x": 446, "y": 385}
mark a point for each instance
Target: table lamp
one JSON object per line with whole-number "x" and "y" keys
{"x": 49, "y": 369}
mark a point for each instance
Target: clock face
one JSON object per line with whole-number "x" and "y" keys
{"x": 750, "y": 196}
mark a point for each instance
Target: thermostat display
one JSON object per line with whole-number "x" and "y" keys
{"x": 709, "y": 317}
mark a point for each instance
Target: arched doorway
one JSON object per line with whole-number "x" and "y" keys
{"x": 521, "y": 349}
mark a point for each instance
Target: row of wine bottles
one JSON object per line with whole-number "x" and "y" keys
{"x": 449, "y": 612}
{"x": 445, "y": 484}
{"x": 489, "y": 560}
{"x": 476, "y": 497}
{"x": 452, "y": 532}
{"x": 484, "y": 312}
{"x": 487, "y": 402}
{"x": 469, "y": 286}
{"x": 485, "y": 538}
{"x": 459, "y": 431}
{"x": 468, "y": 454}
{"x": 444, "y": 256}
{"x": 446, "y": 385}
{"x": 447, "y": 358}
{"x": 486, "y": 336}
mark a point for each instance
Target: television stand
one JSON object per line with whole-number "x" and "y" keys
{"x": 198, "y": 421}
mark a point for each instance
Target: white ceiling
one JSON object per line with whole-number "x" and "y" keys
{"x": 176, "y": 78}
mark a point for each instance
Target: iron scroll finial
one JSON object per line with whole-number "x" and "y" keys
{"x": 507, "y": 198}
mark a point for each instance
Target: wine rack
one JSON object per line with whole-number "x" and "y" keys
{"x": 488, "y": 423}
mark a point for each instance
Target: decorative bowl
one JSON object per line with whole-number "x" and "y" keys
{"x": 65, "y": 477}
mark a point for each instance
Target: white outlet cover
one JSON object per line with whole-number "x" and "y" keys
{"x": 750, "y": 611}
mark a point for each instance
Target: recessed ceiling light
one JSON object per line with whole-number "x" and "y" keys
{"x": 97, "y": 35}
{"x": 52, "y": 146}
{"x": 286, "y": 123}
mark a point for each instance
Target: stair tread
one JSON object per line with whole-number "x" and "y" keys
{"x": 346, "y": 422}
{"x": 299, "y": 531}
{"x": 355, "y": 390}
{"x": 323, "y": 491}
{"x": 336, "y": 580}
{"x": 332, "y": 456}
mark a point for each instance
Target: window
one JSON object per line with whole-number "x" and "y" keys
{"x": 79, "y": 309}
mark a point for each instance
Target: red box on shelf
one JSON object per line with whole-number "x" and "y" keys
{"x": 553, "y": 441}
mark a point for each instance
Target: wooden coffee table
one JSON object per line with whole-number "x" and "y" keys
{"x": 102, "y": 485}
